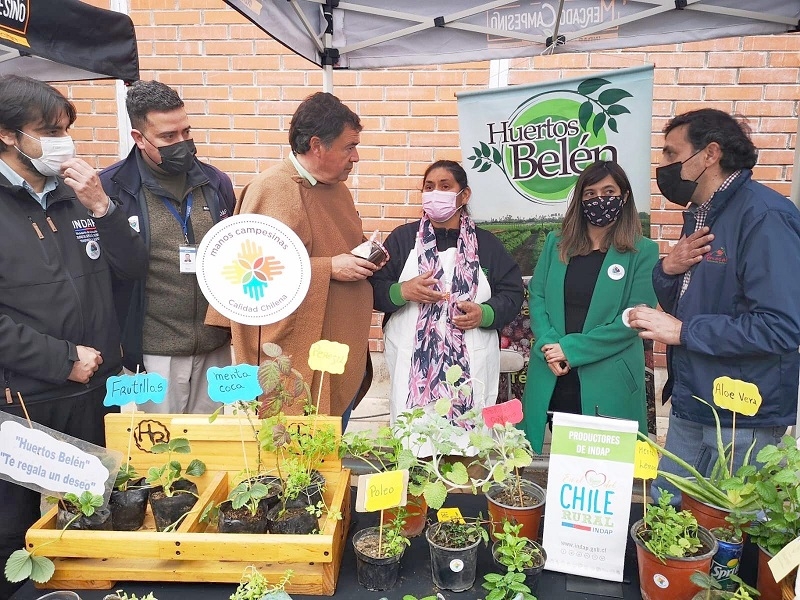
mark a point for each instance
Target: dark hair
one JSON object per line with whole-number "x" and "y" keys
{"x": 455, "y": 169}
{"x": 322, "y": 115}
{"x": 145, "y": 97}
{"x": 622, "y": 234}
{"x": 732, "y": 134}
{"x": 24, "y": 101}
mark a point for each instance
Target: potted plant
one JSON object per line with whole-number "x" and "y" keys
{"x": 509, "y": 586}
{"x": 84, "y": 512}
{"x": 670, "y": 546}
{"x": 378, "y": 553}
{"x": 120, "y": 595}
{"x": 174, "y": 495}
{"x": 516, "y": 553}
{"x": 254, "y": 586}
{"x": 725, "y": 564}
{"x": 778, "y": 488}
{"x": 128, "y": 501}
{"x": 711, "y": 590}
{"x": 454, "y": 552}
{"x": 245, "y": 510}
{"x": 711, "y": 499}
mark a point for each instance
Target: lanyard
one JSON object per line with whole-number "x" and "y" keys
{"x": 183, "y": 221}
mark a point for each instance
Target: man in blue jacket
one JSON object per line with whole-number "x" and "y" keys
{"x": 61, "y": 240}
{"x": 729, "y": 289}
{"x": 172, "y": 199}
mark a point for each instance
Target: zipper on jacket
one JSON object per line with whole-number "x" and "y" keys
{"x": 52, "y": 225}
{"x": 38, "y": 231}
{"x": 9, "y": 399}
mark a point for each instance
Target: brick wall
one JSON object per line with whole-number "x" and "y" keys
{"x": 241, "y": 89}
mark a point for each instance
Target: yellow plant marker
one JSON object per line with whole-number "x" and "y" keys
{"x": 382, "y": 490}
{"x": 645, "y": 465}
{"x": 449, "y": 514}
{"x": 325, "y": 355}
{"x": 737, "y": 396}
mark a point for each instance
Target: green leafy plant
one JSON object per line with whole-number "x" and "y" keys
{"x": 119, "y": 594}
{"x": 510, "y": 586}
{"x": 713, "y": 590}
{"x": 167, "y": 474}
{"x": 254, "y": 586}
{"x": 460, "y": 533}
{"x": 248, "y": 493}
{"x": 127, "y": 473}
{"x": 394, "y": 542}
{"x": 734, "y": 492}
{"x": 282, "y": 384}
{"x": 26, "y": 564}
{"x": 778, "y": 488}
{"x": 668, "y": 532}
{"x": 514, "y": 551}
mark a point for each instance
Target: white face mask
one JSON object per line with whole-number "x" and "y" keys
{"x": 55, "y": 152}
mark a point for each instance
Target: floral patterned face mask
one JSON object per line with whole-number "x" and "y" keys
{"x": 602, "y": 210}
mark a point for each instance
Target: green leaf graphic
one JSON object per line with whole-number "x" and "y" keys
{"x": 485, "y": 167}
{"x": 477, "y": 163}
{"x": 485, "y": 151}
{"x": 496, "y": 158}
{"x": 617, "y": 109}
{"x": 612, "y": 96}
{"x": 599, "y": 121}
{"x": 612, "y": 125}
{"x": 584, "y": 114}
{"x": 591, "y": 85}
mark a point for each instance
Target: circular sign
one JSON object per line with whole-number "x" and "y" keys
{"x": 253, "y": 269}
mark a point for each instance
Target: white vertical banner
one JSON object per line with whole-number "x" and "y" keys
{"x": 524, "y": 147}
{"x": 589, "y": 495}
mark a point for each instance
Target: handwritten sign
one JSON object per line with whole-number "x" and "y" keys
{"x": 645, "y": 464}
{"x": 786, "y": 560}
{"x": 449, "y": 514}
{"x": 500, "y": 414}
{"x": 140, "y": 388}
{"x": 35, "y": 457}
{"x": 231, "y": 384}
{"x": 737, "y": 396}
{"x": 325, "y": 355}
{"x": 382, "y": 490}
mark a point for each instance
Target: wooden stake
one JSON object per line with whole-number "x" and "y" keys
{"x": 25, "y": 410}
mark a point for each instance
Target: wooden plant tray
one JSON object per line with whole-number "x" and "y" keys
{"x": 196, "y": 552}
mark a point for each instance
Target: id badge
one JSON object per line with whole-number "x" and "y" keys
{"x": 187, "y": 254}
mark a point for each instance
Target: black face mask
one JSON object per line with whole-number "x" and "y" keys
{"x": 672, "y": 186}
{"x": 178, "y": 157}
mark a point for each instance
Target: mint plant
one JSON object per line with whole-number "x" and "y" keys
{"x": 514, "y": 551}
{"x": 510, "y": 586}
{"x": 667, "y": 532}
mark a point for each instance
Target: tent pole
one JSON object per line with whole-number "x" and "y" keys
{"x": 327, "y": 78}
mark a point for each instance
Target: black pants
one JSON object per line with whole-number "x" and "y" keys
{"x": 78, "y": 416}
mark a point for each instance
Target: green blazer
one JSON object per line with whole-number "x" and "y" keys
{"x": 608, "y": 355}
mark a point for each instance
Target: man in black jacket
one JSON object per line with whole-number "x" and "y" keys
{"x": 172, "y": 199}
{"x": 61, "y": 238}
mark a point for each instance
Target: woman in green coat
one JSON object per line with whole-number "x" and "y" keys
{"x": 585, "y": 360}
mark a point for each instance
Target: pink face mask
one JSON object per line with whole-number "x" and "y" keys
{"x": 440, "y": 205}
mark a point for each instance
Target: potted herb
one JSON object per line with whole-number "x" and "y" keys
{"x": 247, "y": 505}
{"x": 725, "y": 564}
{"x": 778, "y": 488}
{"x": 711, "y": 499}
{"x": 509, "y": 586}
{"x": 128, "y": 502}
{"x": 84, "y": 512}
{"x": 175, "y": 495}
{"x": 670, "y": 546}
{"x": 254, "y": 586}
{"x": 516, "y": 553}
{"x": 711, "y": 590}
{"x": 378, "y": 554}
{"x": 454, "y": 552}
{"x": 120, "y": 595}
{"x": 281, "y": 384}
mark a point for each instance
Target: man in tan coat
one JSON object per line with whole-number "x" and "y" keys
{"x": 307, "y": 192}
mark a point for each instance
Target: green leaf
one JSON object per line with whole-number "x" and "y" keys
{"x": 599, "y": 121}
{"x": 435, "y": 494}
{"x": 612, "y": 125}
{"x": 196, "y": 468}
{"x": 453, "y": 374}
{"x": 19, "y": 566}
{"x": 159, "y": 448}
{"x": 584, "y": 114}
{"x": 179, "y": 445}
{"x": 496, "y": 158}
{"x": 471, "y": 157}
{"x": 477, "y": 151}
{"x": 43, "y": 569}
{"x": 458, "y": 474}
{"x": 613, "y": 96}
{"x": 485, "y": 150}
{"x": 215, "y": 414}
{"x": 617, "y": 109}
{"x": 492, "y": 577}
{"x": 477, "y": 163}
{"x": 588, "y": 86}
{"x": 442, "y": 407}
{"x": 485, "y": 167}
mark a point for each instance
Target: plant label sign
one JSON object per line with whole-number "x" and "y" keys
{"x": 449, "y": 514}
{"x": 325, "y": 355}
{"x": 785, "y": 561}
{"x": 505, "y": 412}
{"x": 234, "y": 383}
{"x": 138, "y": 388}
{"x": 737, "y": 396}
{"x": 35, "y": 458}
{"x": 646, "y": 462}
{"x": 382, "y": 490}
{"x": 589, "y": 495}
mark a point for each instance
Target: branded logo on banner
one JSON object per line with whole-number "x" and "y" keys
{"x": 14, "y": 15}
{"x": 589, "y": 488}
{"x": 253, "y": 269}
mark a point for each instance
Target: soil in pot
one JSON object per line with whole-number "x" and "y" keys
{"x": 295, "y": 520}
{"x": 374, "y": 572}
{"x": 658, "y": 580}
{"x": 451, "y": 568}
{"x": 169, "y": 509}
{"x": 533, "y": 574}
{"x": 128, "y": 507}
{"x": 504, "y": 504}
{"x": 99, "y": 521}
{"x": 416, "y": 516}
{"x": 241, "y": 520}
{"x": 727, "y": 559}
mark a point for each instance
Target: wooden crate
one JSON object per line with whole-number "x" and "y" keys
{"x": 195, "y": 551}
